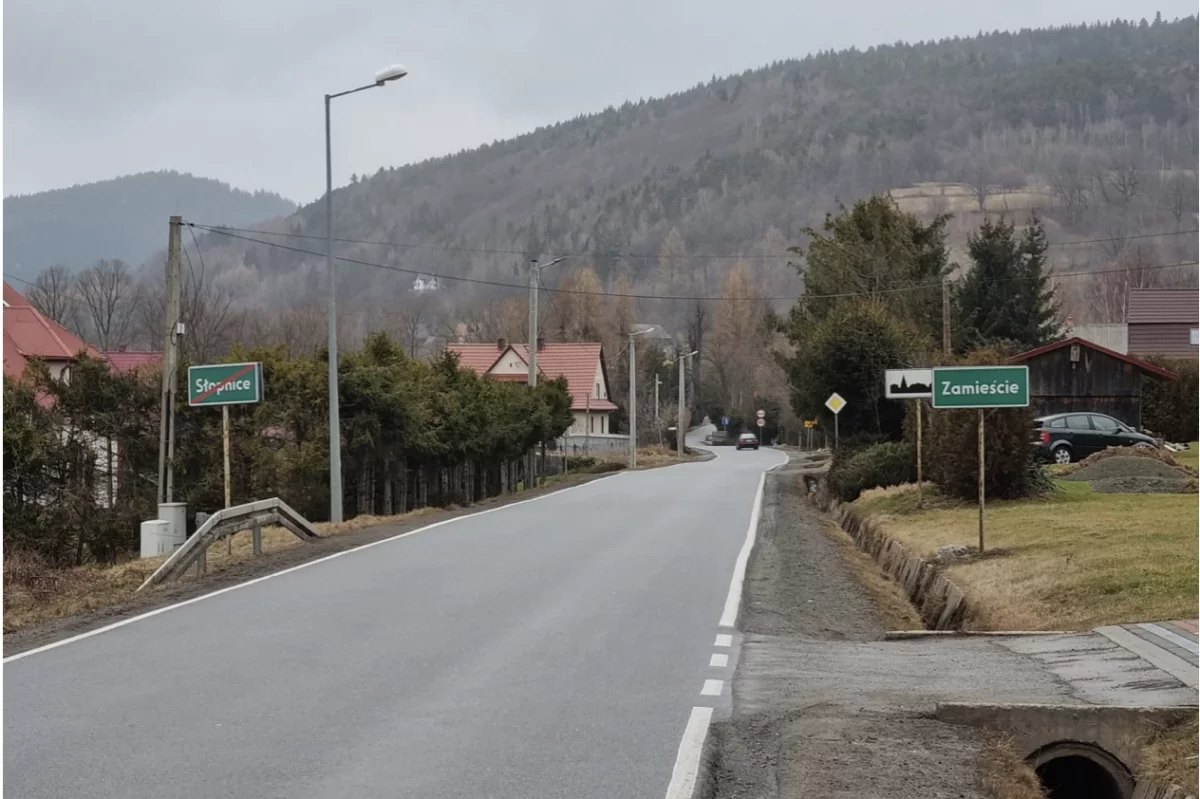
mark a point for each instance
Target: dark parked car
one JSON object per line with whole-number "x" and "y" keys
{"x": 1066, "y": 437}
{"x": 747, "y": 441}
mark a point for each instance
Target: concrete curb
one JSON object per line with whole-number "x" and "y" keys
{"x": 903, "y": 635}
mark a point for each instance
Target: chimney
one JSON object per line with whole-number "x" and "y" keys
{"x": 541, "y": 343}
{"x": 502, "y": 343}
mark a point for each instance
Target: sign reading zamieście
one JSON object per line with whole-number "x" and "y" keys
{"x": 981, "y": 387}
{"x": 225, "y": 384}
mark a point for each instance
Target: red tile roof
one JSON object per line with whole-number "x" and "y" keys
{"x": 28, "y": 334}
{"x": 574, "y": 361}
{"x": 124, "y": 361}
{"x": 1148, "y": 368}
{"x": 1163, "y": 306}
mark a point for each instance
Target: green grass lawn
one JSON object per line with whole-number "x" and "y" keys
{"x": 1074, "y": 560}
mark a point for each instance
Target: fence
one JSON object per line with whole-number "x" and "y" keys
{"x": 594, "y": 444}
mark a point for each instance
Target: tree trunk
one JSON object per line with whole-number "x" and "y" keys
{"x": 388, "y": 508}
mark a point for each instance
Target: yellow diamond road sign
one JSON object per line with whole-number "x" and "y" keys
{"x": 835, "y": 402}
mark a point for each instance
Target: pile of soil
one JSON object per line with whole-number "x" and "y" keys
{"x": 1128, "y": 474}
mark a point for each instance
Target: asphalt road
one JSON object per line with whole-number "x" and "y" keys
{"x": 548, "y": 649}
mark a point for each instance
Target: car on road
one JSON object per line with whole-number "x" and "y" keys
{"x": 747, "y": 441}
{"x": 1067, "y": 437}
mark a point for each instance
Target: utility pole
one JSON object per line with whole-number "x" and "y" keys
{"x": 534, "y": 275}
{"x": 946, "y": 318}
{"x": 166, "y": 433}
{"x": 681, "y": 430}
{"x": 632, "y": 402}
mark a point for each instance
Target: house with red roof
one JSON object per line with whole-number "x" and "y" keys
{"x": 581, "y": 363}
{"x": 29, "y": 335}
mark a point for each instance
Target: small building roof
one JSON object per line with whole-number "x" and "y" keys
{"x": 1147, "y": 368}
{"x": 28, "y": 334}
{"x": 576, "y": 361}
{"x": 125, "y": 361}
{"x": 1163, "y": 306}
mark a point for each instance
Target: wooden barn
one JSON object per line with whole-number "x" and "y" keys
{"x": 1079, "y": 375}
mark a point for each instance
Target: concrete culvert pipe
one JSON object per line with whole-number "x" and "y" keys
{"x": 1079, "y": 771}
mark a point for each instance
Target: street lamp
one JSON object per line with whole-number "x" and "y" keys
{"x": 633, "y": 396}
{"x": 535, "y": 276}
{"x": 382, "y": 77}
{"x": 679, "y": 433}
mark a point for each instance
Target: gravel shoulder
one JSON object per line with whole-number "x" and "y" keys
{"x": 822, "y": 705}
{"x": 269, "y": 563}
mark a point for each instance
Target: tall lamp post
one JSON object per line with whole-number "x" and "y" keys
{"x": 682, "y": 429}
{"x": 383, "y": 77}
{"x": 633, "y": 409}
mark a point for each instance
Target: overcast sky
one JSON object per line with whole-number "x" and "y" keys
{"x": 232, "y": 89}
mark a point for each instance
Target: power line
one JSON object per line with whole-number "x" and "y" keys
{"x": 627, "y": 255}
{"x": 675, "y": 298}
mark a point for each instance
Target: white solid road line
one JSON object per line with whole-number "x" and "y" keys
{"x": 687, "y": 761}
{"x": 719, "y": 660}
{"x": 712, "y": 688}
{"x": 734, "y": 598}
{"x": 723, "y": 639}
{"x": 193, "y": 600}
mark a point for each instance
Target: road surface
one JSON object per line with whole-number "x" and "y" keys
{"x": 553, "y": 648}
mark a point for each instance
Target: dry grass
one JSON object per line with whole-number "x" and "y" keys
{"x": 1074, "y": 560}
{"x": 1004, "y": 775}
{"x": 648, "y": 457}
{"x": 1160, "y": 455}
{"x": 1170, "y": 759}
{"x": 887, "y": 595}
{"x": 34, "y": 593}
{"x": 1190, "y": 457}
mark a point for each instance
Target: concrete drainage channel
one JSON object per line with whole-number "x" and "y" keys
{"x": 1088, "y": 743}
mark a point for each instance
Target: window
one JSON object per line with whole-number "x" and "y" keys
{"x": 591, "y": 424}
{"x": 1060, "y": 422}
{"x": 601, "y": 424}
{"x": 1194, "y": 336}
{"x": 1105, "y": 424}
{"x": 598, "y": 394}
{"x": 1078, "y": 422}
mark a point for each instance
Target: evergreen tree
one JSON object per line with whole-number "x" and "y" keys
{"x": 1007, "y": 297}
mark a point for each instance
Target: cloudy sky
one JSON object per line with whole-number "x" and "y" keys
{"x": 232, "y": 89}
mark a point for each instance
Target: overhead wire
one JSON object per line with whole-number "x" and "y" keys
{"x": 626, "y": 255}
{"x": 669, "y": 298}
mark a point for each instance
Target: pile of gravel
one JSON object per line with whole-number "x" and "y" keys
{"x": 1130, "y": 474}
{"x": 1140, "y": 485}
{"x": 1125, "y": 467}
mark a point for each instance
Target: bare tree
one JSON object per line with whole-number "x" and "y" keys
{"x": 1121, "y": 180}
{"x": 1110, "y": 287}
{"x": 54, "y": 294}
{"x": 1072, "y": 185}
{"x": 1178, "y": 196}
{"x": 108, "y": 297}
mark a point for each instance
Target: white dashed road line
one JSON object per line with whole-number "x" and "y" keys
{"x": 723, "y": 639}
{"x": 719, "y": 660}
{"x": 712, "y": 688}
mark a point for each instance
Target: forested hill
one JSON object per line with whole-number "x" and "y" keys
{"x": 123, "y": 218}
{"x": 1094, "y": 125}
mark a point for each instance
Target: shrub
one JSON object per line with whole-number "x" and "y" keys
{"x": 876, "y": 466}
{"x": 1169, "y": 406}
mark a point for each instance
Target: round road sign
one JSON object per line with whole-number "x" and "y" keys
{"x": 762, "y": 422}
{"x": 761, "y": 414}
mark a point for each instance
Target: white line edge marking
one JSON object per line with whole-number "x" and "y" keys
{"x": 723, "y": 639}
{"x": 734, "y": 598}
{"x": 719, "y": 660}
{"x": 687, "y": 760}
{"x": 248, "y": 583}
{"x": 712, "y": 688}
{"x": 1162, "y": 632}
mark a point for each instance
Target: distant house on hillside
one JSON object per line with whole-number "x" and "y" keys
{"x": 425, "y": 283}
{"x": 582, "y": 364}
{"x": 1164, "y": 322}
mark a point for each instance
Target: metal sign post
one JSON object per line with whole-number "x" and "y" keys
{"x": 223, "y": 385}
{"x": 835, "y": 403}
{"x": 981, "y": 387}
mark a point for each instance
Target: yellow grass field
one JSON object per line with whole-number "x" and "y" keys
{"x": 1075, "y": 560}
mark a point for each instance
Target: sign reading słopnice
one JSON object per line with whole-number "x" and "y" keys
{"x": 225, "y": 384}
{"x": 981, "y": 387}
